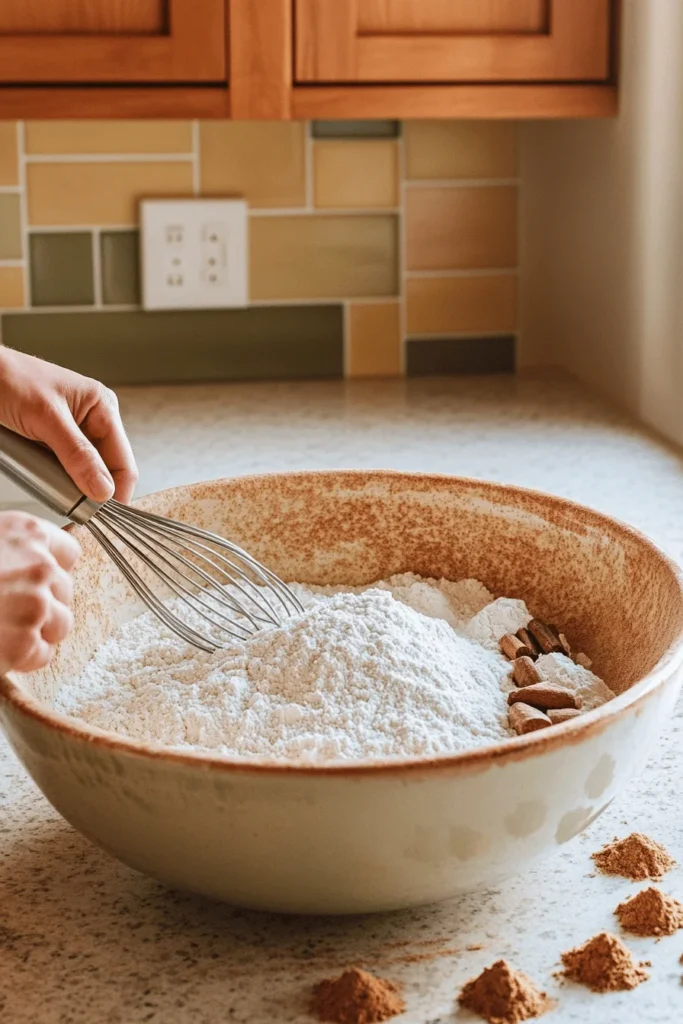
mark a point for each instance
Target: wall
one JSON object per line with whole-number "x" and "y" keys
{"x": 375, "y": 249}
{"x": 602, "y": 242}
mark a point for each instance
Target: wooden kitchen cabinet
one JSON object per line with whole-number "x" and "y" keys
{"x": 452, "y": 40}
{"x": 280, "y": 59}
{"x": 75, "y": 41}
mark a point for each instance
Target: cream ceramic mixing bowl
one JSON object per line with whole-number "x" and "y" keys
{"x": 364, "y": 837}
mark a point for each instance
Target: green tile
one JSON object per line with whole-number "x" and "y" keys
{"x": 120, "y": 259}
{"x": 61, "y": 269}
{"x": 355, "y": 129}
{"x": 427, "y": 356}
{"x": 10, "y": 227}
{"x": 140, "y": 348}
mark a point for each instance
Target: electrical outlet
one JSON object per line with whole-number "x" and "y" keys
{"x": 193, "y": 253}
{"x": 214, "y": 260}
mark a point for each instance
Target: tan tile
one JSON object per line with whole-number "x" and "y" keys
{"x": 9, "y": 171}
{"x": 100, "y": 193}
{"x": 323, "y": 257}
{"x": 265, "y": 161}
{"x": 435, "y": 305}
{"x": 108, "y": 137}
{"x": 11, "y": 287}
{"x": 374, "y": 342}
{"x": 10, "y": 227}
{"x": 460, "y": 149}
{"x": 355, "y": 174}
{"x": 461, "y": 228}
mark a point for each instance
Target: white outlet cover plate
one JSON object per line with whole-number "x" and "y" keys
{"x": 194, "y": 253}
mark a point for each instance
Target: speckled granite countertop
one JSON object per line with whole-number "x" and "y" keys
{"x": 84, "y": 940}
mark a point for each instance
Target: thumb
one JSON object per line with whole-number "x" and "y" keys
{"x": 81, "y": 460}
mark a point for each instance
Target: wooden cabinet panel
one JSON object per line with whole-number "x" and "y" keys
{"x": 82, "y": 17}
{"x": 379, "y": 17}
{"x": 77, "y": 41}
{"x": 452, "y": 40}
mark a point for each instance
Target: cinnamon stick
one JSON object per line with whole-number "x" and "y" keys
{"x": 545, "y": 637}
{"x": 525, "y": 673}
{"x": 512, "y": 647}
{"x": 525, "y": 636}
{"x": 523, "y": 719}
{"x": 559, "y": 715}
{"x": 546, "y": 695}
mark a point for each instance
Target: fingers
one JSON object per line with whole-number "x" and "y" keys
{"x": 31, "y": 656}
{"x": 41, "y": 622}
{"x": 38, "y": 535}
{"x": 58, "y": 624}
{"x": 64, "y": 547}
{"x": 76, "y": 416}
{"x": 78, "y": 456}
{"x": 104, "y": 428}
{"x": 62, "y": 588}
{"x": 39, "y": 609}
{"x": 36, "y": 590}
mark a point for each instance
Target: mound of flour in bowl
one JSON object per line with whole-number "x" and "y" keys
{"x": 406, "y": 667}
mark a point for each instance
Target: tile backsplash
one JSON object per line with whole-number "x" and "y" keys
{"x": 375, "y": 248}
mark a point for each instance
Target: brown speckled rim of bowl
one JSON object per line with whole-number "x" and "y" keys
{"x": 517, "y": 748}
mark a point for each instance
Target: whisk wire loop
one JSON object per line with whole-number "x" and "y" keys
{"x": 147, "y": 595}
{"x": 140, "y": 548}
{"x": 288, "y": 600}
{"x": 234, "y": 577}
{"x": 197, "y": 567}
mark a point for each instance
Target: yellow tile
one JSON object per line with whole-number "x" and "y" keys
{"x": 265, "y": 161}
{"x": 461, "y": 228}
{"x": 11, "y": 287}
{"x": 108, "y": 137}
{"x": 435, "y": 305}
{"x": 100, "y": 193}
{"x": 374, "y": 342}
{"x": 323, "y": 257}
{"x": 10, "y": 226}
{"x": 460, "y": 149}
{"x": 356, "y": 174}
{"x": 9, "y": 171}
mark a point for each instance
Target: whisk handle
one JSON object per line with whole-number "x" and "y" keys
{"x": 38, "y": 472}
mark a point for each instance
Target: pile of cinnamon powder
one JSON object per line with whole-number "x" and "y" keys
{"x": 650, "y": 912}
{"x": 636, "y": 857}
{"x": 356, "y": 997}
{"x": 603, "y": 964}
{"x": 503, "y": 996}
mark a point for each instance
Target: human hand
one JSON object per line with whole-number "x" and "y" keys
{"x": 36, "y": 559}
{"x": 78, "y": 418}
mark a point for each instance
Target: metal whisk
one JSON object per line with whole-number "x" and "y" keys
{"x": 224, "y": 591}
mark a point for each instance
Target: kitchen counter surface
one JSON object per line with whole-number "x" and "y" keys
{"x": 84, "y": 940}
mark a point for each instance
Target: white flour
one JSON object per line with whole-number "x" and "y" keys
{"x": 407, "y": 667}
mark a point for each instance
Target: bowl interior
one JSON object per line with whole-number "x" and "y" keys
{"x": 614, "y": 595}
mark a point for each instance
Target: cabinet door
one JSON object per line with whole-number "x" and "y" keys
{"x": 112, "y": 41}
{"x": 452, "y": 40}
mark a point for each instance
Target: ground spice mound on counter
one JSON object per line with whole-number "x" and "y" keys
{"x": 603, "y": 964}
{"x": 356, "y": 997}
{"x": 650, "y": 912}
{"x": 502, "y": 995}
{"x": 636, "y": 857}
